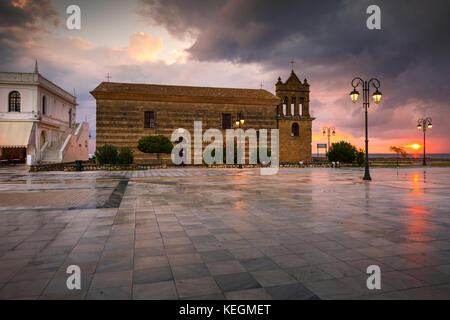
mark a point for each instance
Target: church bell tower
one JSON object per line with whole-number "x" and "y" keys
{"x": 293, "y": 119}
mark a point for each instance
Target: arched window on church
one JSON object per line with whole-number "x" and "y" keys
{"x": 14, "y": 101}
{"x": 295, "y": 130}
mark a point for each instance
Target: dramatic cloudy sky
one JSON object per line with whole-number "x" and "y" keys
{"x": 241, "y": 43}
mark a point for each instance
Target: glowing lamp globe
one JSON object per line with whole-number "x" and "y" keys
{"x": 377, "y": 96}
{"x": 354, "y": 95}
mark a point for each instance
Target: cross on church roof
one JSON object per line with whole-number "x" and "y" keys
{"x": 108, "y": 77}
{"x": 261, "y": 85}
{"x": 292, "y": 63}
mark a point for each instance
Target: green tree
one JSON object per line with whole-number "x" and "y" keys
{"x": 155, "y": 144}
{"x": 399, "y": 151}
{"x": 125, "y": 156}
{"x": 360, "y": 157}
{"x": 343, "y": 152}
{"x": 106, "y": 154}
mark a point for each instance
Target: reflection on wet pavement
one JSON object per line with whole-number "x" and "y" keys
{"x": 226, "y": 233}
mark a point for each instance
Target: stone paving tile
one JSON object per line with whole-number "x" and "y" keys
{"x": 183, "y": 259}
{"x": 400, "y": 280}
{"x": 347, "y": 254}
{"x": 152, "y": 275}
{"x": 400, "y": 263}
{"x": 251, "y": 294}
{"x": 332, "y": 289}
{"x": 289, "y": 261}
{"x": 114, "y": 264}
{"x": 259, "y": 264}
{"x": 196, "y": 287}
{"x": 111, "y": 279}
{"x": 428, "y": 293}
{"x": 73, "y": 295}
{"x": 236, "y": 282}
{"x": 180, "y": 249}
{"x": 217, "y": 255}
{"x": 340, "y": 269}
{"x": 445, "y": 268}
{"x": 246, "y": 253}
{"x": 273, "y": 251}
{"x": 151, "y": 262}
{"x": 309, "y": 273}
{"x": 364, "y": 263}
{"x": 269, "y": 278}
{"x": 225, "y": 267}
{"x": 149, "y": 252}
{"x": 23, "y": 288}
{"x": 155, "y": 291}
{"x": 430, "y": 275}
{"x": 190, "y": 271}
{"x": 213, "y": 296}
{"x": 118, "y": 293}
{"x": 295, "y": 291}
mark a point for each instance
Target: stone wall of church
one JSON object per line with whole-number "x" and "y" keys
{"x": 121, "y": 122}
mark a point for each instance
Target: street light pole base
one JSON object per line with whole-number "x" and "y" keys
{"x": 367, "y": 176}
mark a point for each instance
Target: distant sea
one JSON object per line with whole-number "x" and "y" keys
{"x": 393, "y": 155}
{"x": 412, "y": 155}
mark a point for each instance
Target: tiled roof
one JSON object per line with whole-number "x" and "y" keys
{"x": 182, "y": 91}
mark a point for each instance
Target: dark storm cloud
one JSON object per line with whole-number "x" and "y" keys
{"x": 14, "y": 13}
{"x": 315, "y": 31}
{"x": 21, "y": 22}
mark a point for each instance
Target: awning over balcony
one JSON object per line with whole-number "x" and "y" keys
{"x": 15, "y": 134}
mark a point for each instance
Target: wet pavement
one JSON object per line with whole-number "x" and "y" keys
{"x": 305, "y": 233}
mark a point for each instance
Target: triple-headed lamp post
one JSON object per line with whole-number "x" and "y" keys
{"x": 239, "y": 124}
{"x": 328, "y": 131}
{"x": 423, "y": 124}
{"x": 375, "y": 83}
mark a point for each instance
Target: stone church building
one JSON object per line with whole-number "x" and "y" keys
{"x": 127, "y": 112}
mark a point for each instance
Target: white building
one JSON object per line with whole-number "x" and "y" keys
{"x": 38, "y": 121}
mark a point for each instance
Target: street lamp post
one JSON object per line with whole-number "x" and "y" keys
{"x": 423, "y": 124}
{"x": 376, "y": 97}
{"x": 328, "y": 131}
{"x": 240, "y": 124}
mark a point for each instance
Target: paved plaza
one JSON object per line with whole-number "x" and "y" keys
{"x": 306, "y": 233}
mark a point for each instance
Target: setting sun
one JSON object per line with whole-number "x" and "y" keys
{"x": 414, "y": 146}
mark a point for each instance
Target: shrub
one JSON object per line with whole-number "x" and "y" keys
{"x": 264, "y": 150}
{"x": 155, "y": 144}
{"x": 343, "y": 152}
{"x": 213, "y": 152}
{"x": 107, "y": 154}
{"x": 224, "y": 152}
{"x": 125, "y": 156}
